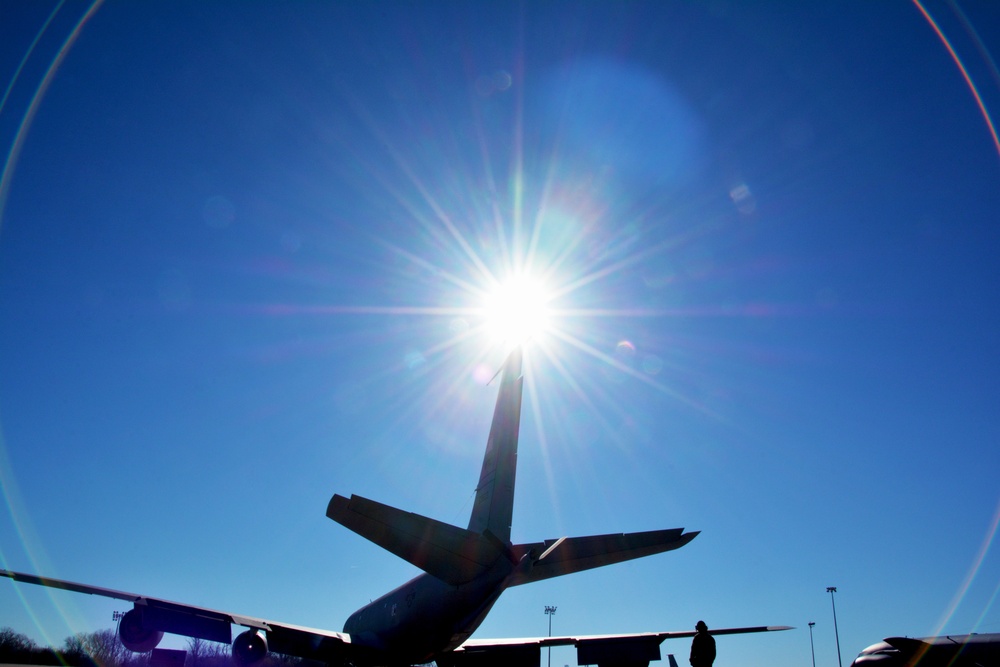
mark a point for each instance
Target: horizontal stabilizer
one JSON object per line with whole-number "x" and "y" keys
{"x": 452, "y": 554}
{"x": 575, "y": 554}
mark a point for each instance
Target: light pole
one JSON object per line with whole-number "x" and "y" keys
{"x": 549, "y": 611}
{"x": 117, "y": 618}
{"x": 831, "y": 590}
{"x": 812, "y": 648}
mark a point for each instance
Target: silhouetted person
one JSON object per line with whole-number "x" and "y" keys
{"x": 702, "y": 647}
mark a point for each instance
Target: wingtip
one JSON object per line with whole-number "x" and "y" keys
{"x": 335, "y": 508}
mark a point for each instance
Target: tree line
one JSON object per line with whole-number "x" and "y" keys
{"x": 103, "y": 649}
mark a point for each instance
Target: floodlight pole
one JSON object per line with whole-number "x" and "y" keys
{"x": 117, "y": 617}
{"x": 549, "y": 611}
{"x": 812, "y": 647}
{"x": 831, "y": 590}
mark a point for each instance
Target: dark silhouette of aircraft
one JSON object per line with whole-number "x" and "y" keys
{"x": 944, "y": 651}
{"x": 431, "y": 617}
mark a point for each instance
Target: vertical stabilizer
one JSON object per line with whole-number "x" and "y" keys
{"x": 494, "y": 504}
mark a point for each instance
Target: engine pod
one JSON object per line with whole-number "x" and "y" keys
{"x": 249, "y": 648}
{"x": 134, "y": 634}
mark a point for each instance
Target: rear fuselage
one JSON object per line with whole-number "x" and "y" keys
{"x": 425, "y": 617}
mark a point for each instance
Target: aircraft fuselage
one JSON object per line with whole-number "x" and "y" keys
{"x": 944, "y": 651}
{"x": 426, "y": 616}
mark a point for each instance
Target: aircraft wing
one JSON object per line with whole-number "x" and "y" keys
{"x": 591, "y": 649}
{"x": 191, "y": 621}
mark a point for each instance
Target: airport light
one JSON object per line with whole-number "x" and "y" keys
{"x": 549, "y": 611}
{"x": 831, "y": 590}
{"x": 117, "y": 618}
{"x": 812, "y": 647}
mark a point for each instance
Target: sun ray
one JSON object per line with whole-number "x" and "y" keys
{"x": 464, "y": 285}
{"x": 403, "y": 165}
{"x": 609, "y": 269}
{"x": 601, "y": 356}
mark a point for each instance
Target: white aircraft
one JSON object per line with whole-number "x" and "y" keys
{"x": 431, "y": 617}
{"x": 944, "y": 651}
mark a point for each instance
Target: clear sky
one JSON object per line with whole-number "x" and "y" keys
{"x": 244, "y": 255}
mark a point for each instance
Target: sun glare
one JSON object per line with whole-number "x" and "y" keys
{"x": 517, "y": 310}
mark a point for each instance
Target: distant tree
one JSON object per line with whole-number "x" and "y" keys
{"x": 280, "y": 660}
{"x": 94, "y": 649}
{"x": 203, "y": 653}
{"x": 12, "y": 642}
{"x": 102, "y": 647}
{"x": 16, "y": 648}
{"x": 74, "y": 651}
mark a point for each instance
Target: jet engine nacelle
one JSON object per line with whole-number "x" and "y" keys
{"x": 249, "y": 648}
{"x": 134, "y": 636}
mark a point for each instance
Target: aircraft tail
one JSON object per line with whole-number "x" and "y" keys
{"x": 494, "y": 504}
{"x": 458, "y": 555}
{"x": 452, "y": 554}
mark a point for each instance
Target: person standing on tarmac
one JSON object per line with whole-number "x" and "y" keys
{"x": 702, "y": 647}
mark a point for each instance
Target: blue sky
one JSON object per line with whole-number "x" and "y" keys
{"x": 244, "y": 249}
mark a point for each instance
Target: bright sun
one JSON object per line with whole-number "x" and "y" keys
{"x": 517, "y": 310}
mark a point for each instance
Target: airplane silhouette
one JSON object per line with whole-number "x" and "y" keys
{"x": 431, "y": 617}
{"x": 945, "y": 651}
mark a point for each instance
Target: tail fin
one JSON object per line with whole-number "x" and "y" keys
{"x": 494, "y": 505}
